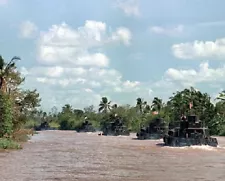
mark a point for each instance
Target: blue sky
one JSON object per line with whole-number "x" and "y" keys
{"x": 78, "y": 51}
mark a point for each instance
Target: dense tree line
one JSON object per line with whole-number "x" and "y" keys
{"x": 143, "y": 112}
{"x": 15, "y": 103}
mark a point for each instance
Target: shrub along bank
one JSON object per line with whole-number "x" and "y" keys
{"x": 16, "y": 105}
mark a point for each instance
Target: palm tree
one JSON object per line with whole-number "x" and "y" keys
{"x": 139, "y": 104}
{"x": 221, "y": 96}
{"x": 5, "y": 69}
{"x": 157, "y": 104}
{"x": 142, "y": 105}
{"x": 104, "y": 105}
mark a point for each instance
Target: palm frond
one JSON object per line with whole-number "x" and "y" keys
{"x": 100, "y": 109}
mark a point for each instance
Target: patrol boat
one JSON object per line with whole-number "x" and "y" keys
{"x": 190, "y": 131}
{"x": 155, "y": 130}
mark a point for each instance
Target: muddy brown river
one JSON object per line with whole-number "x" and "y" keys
{"x": 70, "y": 156}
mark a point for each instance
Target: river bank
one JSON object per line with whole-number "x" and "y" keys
{"x": 18, "y": 139}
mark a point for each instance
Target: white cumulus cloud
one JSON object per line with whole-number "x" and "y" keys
{"x": 76, "y": 85}
{"x": 71, "y": 65}
{"x": 200, "y": 49}
{"x": 81, "y": 77}
{"x": 62, "y": 44}
{"x": 81, "y": 80}
{"x": 122, "y": 34}
{"x": 72, "y": 69}
{"x": 192, "y": 77}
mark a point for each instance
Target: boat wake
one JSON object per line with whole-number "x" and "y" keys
{"x": 198, "y": 147}
{"x": 204, "y": 147}
{"x": 92, "y": 133}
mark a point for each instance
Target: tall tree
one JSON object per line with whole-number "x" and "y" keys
{"x": 179, "y": 104}
{"x": 157, "y": 104}
{"x": 22, "y": 102}
{"x": 67, "y": 108}
{"x": 7, "y": 74}
{"x": 221, "y": 96}
{"x": 139, "y": 104}
{"x": 104, "y": 105}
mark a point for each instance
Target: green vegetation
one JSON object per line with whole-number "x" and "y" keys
{"x": 143, "y": 112}
{"x": 19, "y": 113}
{"x": 16, "y": 105}
{"x": 9, "y": 144}
{"x": 6, "y": 119}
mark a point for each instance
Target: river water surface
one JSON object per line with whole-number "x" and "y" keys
{"x": 70, "y": 156}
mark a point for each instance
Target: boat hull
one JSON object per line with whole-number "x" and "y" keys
{"x": 149, "y": 136}
{"x": 111, "y": 133}
{"x": 180, "y": 142}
